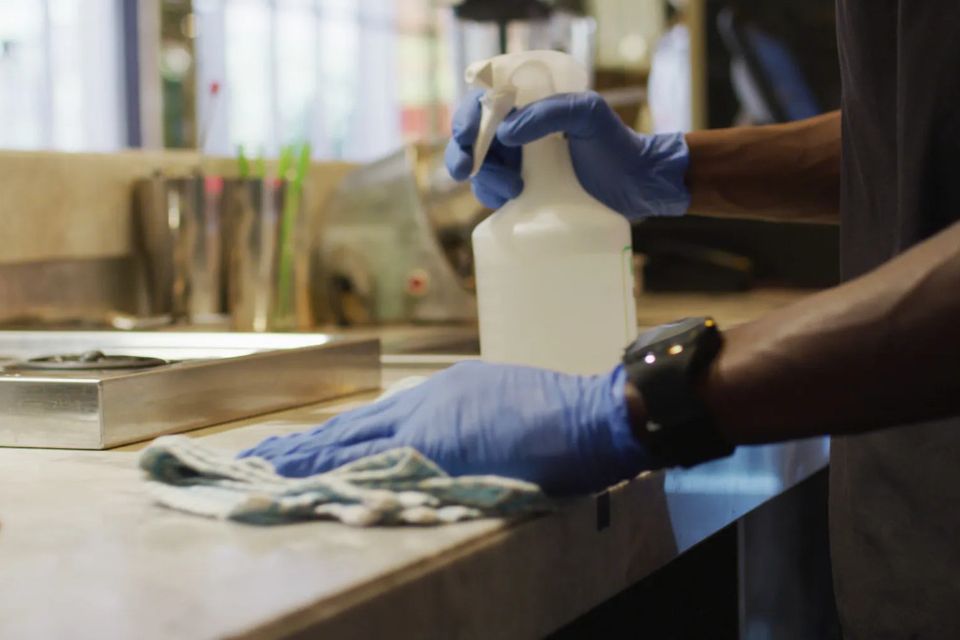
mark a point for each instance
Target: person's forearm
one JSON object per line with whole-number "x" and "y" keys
{"x": 879, "y": 351}
{"x": 787, "y": 172}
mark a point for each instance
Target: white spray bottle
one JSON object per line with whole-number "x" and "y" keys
{"x": 554, "y": 265}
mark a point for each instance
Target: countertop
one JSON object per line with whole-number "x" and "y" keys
{"x": 84, "y": 553}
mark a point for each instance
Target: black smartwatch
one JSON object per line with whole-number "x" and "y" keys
{"x": 665, "y": 365}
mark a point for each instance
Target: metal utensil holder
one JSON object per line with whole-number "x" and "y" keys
{"x": 252, "y": 217}
{"x": 179, "y": 233}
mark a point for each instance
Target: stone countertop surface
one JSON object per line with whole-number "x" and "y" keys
{"x": 85, "y": 554}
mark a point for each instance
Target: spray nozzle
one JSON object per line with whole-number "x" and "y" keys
{"x": 494, "y": 107}
{"x": 515, "y": 80}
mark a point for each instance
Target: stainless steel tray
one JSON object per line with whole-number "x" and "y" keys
{"x": 214, "y": 378}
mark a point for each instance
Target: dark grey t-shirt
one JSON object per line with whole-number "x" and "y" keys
{"x": 895, "y": 494}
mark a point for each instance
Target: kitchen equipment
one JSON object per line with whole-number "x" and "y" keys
{"x": 251, "y": 219}
{"x": 554, "y": 265}
{"x": 177, "y": 222}
{"x": 482, "y": 29}
{"x": 394, "y": 244}
{"x": 93, "y": 390}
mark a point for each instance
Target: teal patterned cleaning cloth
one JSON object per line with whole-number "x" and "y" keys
{"x": 398, "y": 487}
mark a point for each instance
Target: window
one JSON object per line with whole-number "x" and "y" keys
{"x": 61, "y": 75}
{"x": 355, "y": 78}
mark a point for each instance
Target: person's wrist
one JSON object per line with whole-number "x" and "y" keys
{"x": 668, "y": 158}
{"x": 627, "y": 406}
{"x": 638, "y": 416}
{"x": 636, "y": 407}
{"x": 719, "y": 390}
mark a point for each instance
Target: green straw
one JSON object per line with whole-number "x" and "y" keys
{"x": 286, "y": 159}
{"x": 243, "y": 165}
{"x": 291, "y": 207}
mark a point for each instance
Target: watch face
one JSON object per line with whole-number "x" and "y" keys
{"x": 665, "y": 332}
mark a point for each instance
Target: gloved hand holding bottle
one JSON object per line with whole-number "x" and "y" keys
{"x": 636, "y": 175}
{"x": 569, "y": 434}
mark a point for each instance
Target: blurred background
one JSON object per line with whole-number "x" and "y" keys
{"x": 358, "y": 78}
{"x": 357, "y": 95}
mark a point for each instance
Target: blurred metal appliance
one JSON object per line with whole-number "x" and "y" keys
{"x": 251, "y": 210}
{"x": 93, "y": 390}
{"x": 394, "y": 244}
{"x": 481, "y": 29}
{"x": 177, "y": 224}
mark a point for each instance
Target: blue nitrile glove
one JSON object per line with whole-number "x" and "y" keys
{"x": 569, "y": 434}
{"x": 637, "y": 175}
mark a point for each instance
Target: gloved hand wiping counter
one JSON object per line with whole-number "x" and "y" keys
{"x": 568, "y": 434}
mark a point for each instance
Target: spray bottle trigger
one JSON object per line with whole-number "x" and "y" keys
{"x": 494, "y": 107}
